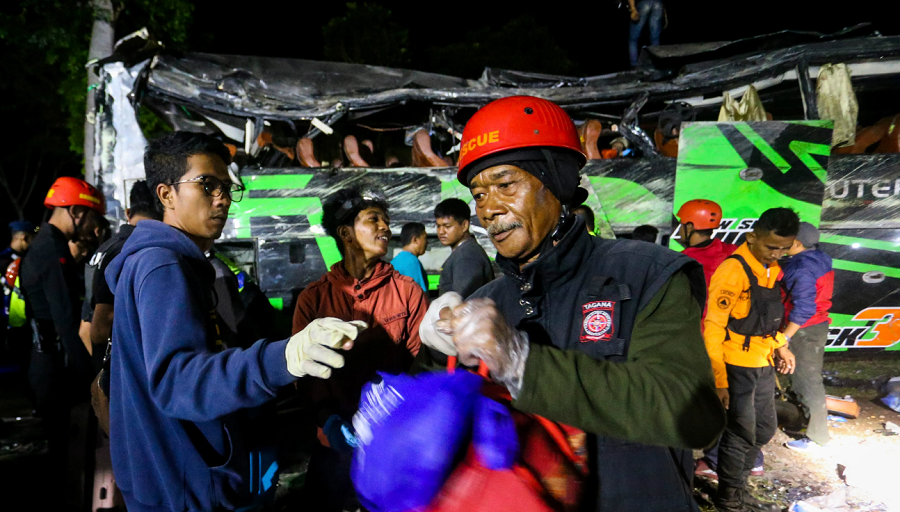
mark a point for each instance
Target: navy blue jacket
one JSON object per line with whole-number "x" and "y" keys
{"x": 809, "y": 281}
{"x": 175, "y": 437}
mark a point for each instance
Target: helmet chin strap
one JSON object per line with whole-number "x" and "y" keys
{"x": 566, "y": 219}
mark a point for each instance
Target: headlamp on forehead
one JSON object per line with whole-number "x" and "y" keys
{"x": 367, "y": 199}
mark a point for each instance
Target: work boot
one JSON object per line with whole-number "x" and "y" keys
{"x": 751, "y": 502}
{"x": 728, "y": 499}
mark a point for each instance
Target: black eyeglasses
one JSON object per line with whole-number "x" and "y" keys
{"x": 215, "y": 187}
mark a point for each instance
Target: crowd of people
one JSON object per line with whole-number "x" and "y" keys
{"x": 647, "y": 352}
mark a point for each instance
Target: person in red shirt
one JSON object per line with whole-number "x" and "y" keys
{"x": 359, "y": 287}
{"x": 698, "y": 219}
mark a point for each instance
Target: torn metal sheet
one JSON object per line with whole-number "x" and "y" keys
{"x": 634, "y": 191}
{"x": 122, "y": 143}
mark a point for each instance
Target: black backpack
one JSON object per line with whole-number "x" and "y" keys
{"x": 766, "y": 310}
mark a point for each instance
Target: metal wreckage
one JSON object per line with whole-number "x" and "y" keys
{"x": 301, "y": 130}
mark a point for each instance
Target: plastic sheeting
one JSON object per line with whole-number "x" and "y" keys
{"x": 749, "y": 108}
{"x": 298, "y": 89}
{"x": 836, "y": 100}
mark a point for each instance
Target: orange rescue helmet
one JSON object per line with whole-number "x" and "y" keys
{"x": 702, "y": 213}
{"x": 68, "y": 191}
{"x": 516, "y": 122}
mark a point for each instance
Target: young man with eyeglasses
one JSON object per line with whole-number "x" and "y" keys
{"x": 176, "y": 396}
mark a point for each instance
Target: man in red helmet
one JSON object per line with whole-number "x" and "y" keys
{"x": 602, "y": 335}
{"x": 698, "y": 219}
{"x": 60, "y": 371}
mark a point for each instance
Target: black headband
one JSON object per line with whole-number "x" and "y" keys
{"x": 562, "y": 179}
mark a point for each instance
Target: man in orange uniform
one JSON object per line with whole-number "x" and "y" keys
{"x": 741, "y": 334}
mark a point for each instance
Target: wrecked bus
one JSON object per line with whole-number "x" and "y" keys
{"x": 300, "y": 130}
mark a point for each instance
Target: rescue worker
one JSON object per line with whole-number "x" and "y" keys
{"x": 698, "y": 218}
{"x": 415, "y": 243}
{"x": 60, "y": 369}
{"x": 359, "y": 287}
{"x": 21, "y": 234}
{"x": 809, "y": 282}
{"x": 602, "y": 335}
{"x": 98, "y": 298}
{"x": 468, "y": 267}
{"x": 741, "y": 335}
{"x": 176, "y": 399}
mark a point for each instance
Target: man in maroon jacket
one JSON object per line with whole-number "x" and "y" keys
{"x": 698, "y": 219}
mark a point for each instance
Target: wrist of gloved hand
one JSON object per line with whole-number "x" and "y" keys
{"x": 312, "y": 350}
{"x": 428, "y": 332}
{"x": 340, "y": 434}
{"x": 481, "y": 333}
{"x": 513, "y": 372}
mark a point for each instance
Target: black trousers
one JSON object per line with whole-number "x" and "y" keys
{"x": 751, "y": 422}
{"x": 808, "y": 346}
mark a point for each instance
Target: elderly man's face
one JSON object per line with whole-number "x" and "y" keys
{"x": 516, "y": 209}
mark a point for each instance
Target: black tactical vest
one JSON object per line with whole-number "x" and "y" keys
{"x": 766, "y": 309}
{"x": 584, "y": 294}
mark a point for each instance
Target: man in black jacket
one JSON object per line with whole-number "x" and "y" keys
{"x": 468, "y": 268}
{"x": 60, "y": 371}
{"x": 598, "y": 334}
{"x": 98, "y": 299}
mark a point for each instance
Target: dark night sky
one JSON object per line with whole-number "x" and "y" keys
{"x": 594, "y": 35}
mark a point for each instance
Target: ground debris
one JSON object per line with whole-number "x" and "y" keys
{"x": 858, "y": 466}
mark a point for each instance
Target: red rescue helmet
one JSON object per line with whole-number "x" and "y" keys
{"x": 702, "y": 213}
{"x": 68, "y": 191}
{"x": 516, "y": 122}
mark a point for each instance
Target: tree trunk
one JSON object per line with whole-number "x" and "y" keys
{"x": 102, "y": 39}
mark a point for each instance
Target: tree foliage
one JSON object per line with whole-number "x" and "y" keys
{"x": 366, "y": 34}
{"x": 49, "y": 39}
{"x": 45, "y": 44}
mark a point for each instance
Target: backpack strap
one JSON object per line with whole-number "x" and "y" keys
{"x": 747, "y": 270}
{"x": 751, "y": 277}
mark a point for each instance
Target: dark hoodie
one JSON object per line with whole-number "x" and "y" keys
{"x": 174, "y": 393}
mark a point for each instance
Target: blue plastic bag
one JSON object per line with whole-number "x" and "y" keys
{"x": 410, "y": 431}
{"x": 494, "y": 434}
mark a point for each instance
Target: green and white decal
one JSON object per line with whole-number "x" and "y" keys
{"x": 748, "y": 168}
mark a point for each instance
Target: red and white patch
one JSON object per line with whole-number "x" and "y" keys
{"x": 597, "y": 324}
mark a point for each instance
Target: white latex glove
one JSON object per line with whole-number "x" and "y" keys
{"x": 309, "y": 352}
{"x": 429, "y": 334}
{"x": 481, "y": 333}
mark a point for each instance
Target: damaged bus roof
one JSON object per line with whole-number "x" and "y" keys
{"x": 292, "y": 89}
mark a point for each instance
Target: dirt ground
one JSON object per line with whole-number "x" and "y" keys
{"x": 858, "y": 470}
